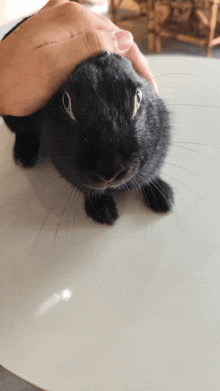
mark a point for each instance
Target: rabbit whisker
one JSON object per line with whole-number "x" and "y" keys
{"x": 74, "y": 192}
{"x": 96, "y": 211}
{"x": 38, "y": 192}
{"x": 78, "y": 194}
{"x": 152, "y": 191}
{"x": 189, "y": 149}
{"x": 185, "y": 169}
{"x": 186, "y": 156}
{"x": 48, "y": 214}
{"x": 183, "y": 184}
{"x": 176, "y": 73}
{"x": 63, "y": 214}
{"x": 192, "y": 105}
{"x": 190, "y": 142}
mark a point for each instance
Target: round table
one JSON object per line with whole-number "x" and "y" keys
{"x": 133, "y": 306}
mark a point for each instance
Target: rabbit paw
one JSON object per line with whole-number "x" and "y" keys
{"x": 101, "y": 209}
{"x": 26, "y": 150}
{"x": 158, "y": 195}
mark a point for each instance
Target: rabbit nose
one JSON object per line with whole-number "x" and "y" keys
{"x": 110, "y": 176}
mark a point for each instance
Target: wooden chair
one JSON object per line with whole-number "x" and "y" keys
{"x": 192, "y": 21}
{"x": 155, "y": 12}
{"x": 115, "y": 7}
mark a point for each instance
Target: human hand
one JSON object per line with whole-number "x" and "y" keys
{"x": 141, "y": 65}
{"x": 38, "y": 56}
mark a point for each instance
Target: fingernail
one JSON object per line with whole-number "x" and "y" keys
{"x": 123, "y": 40}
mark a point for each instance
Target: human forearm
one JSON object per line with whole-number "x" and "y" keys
{"x": 3, "y": 80}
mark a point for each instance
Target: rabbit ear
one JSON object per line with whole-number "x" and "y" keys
{"x": 68, "y": 105}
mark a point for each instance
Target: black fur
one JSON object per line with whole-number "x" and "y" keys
{"x": 104, "y": 141}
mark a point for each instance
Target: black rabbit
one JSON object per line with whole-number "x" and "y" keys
{"x": 105, "y": 130}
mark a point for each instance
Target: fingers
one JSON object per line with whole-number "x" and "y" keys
{"x": 74, "y": 16}
{"x": 83, "y": 46}
{"x": 123, "y": 40}
{"x": 54, "y": 3}
{"x": 140, "y": 64}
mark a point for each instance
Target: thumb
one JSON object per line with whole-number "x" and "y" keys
{"x": 67, "y": 55}
{"x": 141, "y": 65}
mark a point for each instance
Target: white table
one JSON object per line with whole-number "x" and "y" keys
{"x": 136, "y": 306}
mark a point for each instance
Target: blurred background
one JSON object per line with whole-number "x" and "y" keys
{"x": 179, "y": 26}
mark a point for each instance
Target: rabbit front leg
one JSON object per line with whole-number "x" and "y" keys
{"x": 27, "y": 141}
{"x": 158, "y": 195}
{"x": 26, "y": 149}
{"x": 101, "y": 208}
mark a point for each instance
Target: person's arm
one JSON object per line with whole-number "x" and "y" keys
{"x": 37, "y": 57}
{"x": 3, "y": 76}
{"x": 30, "y": 76}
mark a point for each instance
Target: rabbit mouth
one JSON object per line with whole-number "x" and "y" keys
{"x": 104, "y": 185}
{"x": 102, "y": 179}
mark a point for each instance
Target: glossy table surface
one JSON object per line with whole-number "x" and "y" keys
{"x": 135, "y": 306}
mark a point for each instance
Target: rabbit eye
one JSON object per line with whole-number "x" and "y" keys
{"x": 67, "y": 105}
{"x": 137, "y": 101}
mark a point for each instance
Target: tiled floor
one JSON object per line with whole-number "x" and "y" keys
{"x": 10, "y": 382}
